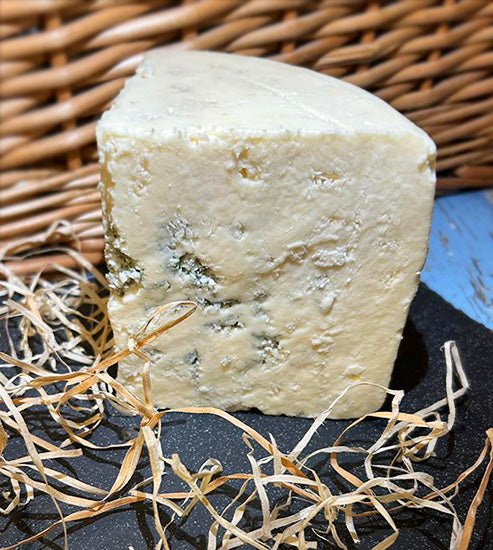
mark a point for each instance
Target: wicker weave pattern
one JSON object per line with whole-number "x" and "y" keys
{"x": 62, "y": 62}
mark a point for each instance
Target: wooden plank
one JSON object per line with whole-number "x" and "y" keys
{"x": 460, "y": 261}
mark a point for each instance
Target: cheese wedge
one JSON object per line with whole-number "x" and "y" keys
{"x": 292, "y": 207}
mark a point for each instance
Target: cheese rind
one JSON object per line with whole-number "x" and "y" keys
{"x": 292, "y": 207}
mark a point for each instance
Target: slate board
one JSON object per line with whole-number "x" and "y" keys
{"x": 419, "y": 370}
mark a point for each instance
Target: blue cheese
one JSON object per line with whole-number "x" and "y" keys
{"x": 293, "y": 208}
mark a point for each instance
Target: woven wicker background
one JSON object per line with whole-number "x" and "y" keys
{"x": 62, "y": 62}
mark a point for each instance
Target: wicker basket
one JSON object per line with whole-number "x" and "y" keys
{"x": 62, "y": 62}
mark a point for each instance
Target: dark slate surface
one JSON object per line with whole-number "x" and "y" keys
{"x": 419, "y": 370}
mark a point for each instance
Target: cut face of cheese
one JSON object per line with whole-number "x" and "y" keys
{"x": 293, "y": 208}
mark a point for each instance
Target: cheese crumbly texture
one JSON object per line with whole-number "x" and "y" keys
{"x": 293, "y": 208}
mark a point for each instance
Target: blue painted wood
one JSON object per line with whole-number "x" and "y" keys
{"x": 460, "y": 261}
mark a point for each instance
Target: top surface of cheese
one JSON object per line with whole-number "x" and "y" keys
{"x": 216, "y": 92}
